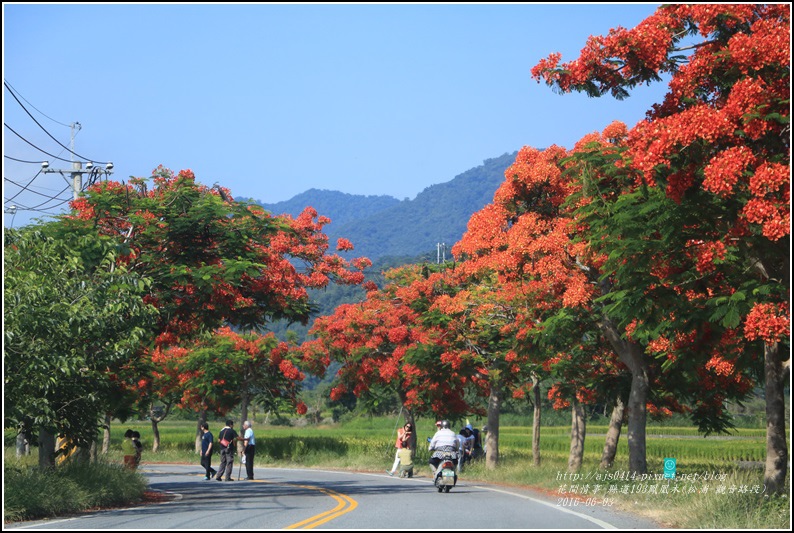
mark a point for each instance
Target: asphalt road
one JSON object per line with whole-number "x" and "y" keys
{"x": 306, "y": 499}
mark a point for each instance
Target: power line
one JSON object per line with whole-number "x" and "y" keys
{"x": 42, "y": 127}
{"x": 93, "y": 172}
{"x": 49, "y": 199}
{"x": 28, "y": 189}
{"x": 33, "y": 145}
{"x": 22, "y": 188}
{"x": 13, "y": 90}
{"x": 21, "y": 160}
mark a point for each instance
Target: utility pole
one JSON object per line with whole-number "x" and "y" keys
{"x": 77, "y": 170}
{"x": 77, "y": 177}
{"x": 441, "y": 253}
{"x": 71, "y": 137}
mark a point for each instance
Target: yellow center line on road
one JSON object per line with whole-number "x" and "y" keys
{"x": 345, "y": 504}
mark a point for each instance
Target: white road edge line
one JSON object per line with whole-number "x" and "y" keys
{"x": 601, "y": 523}
{"x": 605, "y": 525}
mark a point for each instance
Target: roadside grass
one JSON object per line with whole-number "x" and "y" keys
{"x": 729, "y": 501}
{"x": 30, "y": 493}
{"x": 668, "y": 502}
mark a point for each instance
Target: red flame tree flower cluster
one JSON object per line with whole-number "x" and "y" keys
{"x": 719, "y": 145}
{"x": 213, "y": 261}
{"x": 385, "y": 346}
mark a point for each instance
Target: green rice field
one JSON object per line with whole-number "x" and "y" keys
{"x": 367, "y": 444}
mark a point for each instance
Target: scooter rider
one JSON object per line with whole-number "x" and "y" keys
{"x": 443, "y": 444}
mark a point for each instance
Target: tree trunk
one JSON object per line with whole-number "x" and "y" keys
{"x": 155, "y": 434}
{"x": 492, "y": 440}
{"x": 244, "y": 409}
{"x": 106, "y": 435}
{"x": 633, "y": 356}
{"x": 409, "y": 419}
{"x": 156, "y": 419}
{"x": 637, "y": 421}
{"x": 246, "y": 400}
{"x": 46, "y": 449}
{"x": 613, "y": 434}
{"x": 577, "y": 437}
{"x": 776, "y": 450}
{"x": 536, "y": 422}
{"x": 201, "y": 419}
{"x": 23, "y": 448}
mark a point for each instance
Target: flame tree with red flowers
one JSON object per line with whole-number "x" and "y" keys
{"x": 524, "y": 238}
{"x": 653, "y": 280}
{"x": 528, "y": 235}
{"x": 475, "y": 320}
{"x": 454, "y": 376}
{"x": 498, "y": 243}
{"x": 718, "y": 146}
{"x": 226, "y": 368}
{"x": 385, "y": 346}
{"x": 213, "y": 261}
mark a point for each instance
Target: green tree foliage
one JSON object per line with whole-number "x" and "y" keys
{"x": 73, "y": 318}
{"x": 213, "y": 261}
{"x": 719, "y": 146}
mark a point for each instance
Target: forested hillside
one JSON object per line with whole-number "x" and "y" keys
{"x": 381, "y": 226}
{"x": 340, "y": 207}
{"x": 393, "y": 232}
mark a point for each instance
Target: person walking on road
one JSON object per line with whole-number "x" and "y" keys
{"x": 207, "y": 447}
{"x": 249, "y": 450}
{"x": 226, "y": 439}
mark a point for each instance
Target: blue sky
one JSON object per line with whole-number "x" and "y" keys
{"x": 271, "y": 100}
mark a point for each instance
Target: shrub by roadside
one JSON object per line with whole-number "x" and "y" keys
{"x": 30, "y": 493}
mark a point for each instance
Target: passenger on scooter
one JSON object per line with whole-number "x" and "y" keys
{"x": 461, "y": 450}
{"x": 444, "y": 444}
{"x": 466, "y": 438}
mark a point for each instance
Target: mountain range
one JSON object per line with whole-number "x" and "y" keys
{"x": 389, "y": 231}
{"x": 383, "y": 226}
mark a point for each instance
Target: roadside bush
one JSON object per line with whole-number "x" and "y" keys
{"x": 31, "y": 493}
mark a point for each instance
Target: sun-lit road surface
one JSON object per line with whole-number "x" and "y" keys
{"x": 308, "y": 499}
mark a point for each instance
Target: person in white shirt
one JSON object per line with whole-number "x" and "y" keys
{"x": 461, "y": 450}
{"x": 249, "y": 450}
{"x": 443, "y": 444}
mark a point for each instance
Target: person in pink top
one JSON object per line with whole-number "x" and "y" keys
{"x": 404, "y": 435}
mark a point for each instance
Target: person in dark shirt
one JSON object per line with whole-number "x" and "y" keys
{"x": 136, "y": 440}
{"x": 207, "y": 448}
{"x": 226, "y": 439}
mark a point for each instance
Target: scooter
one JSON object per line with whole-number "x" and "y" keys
{"x": 446, "y": 476}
